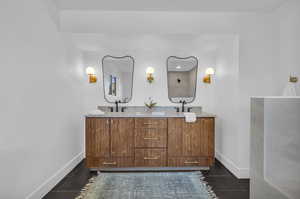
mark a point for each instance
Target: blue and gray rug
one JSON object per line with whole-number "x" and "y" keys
{"x": 165, "y": 185}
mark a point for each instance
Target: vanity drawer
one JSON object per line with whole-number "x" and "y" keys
{"x": 150, "y": 158}
{"x": 187, "y": 161}
{"x": 109, "y": 162}
{"x": 150, "y": 123}
{"x": 150, "y": 137}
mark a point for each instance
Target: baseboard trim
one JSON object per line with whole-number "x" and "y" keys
{"x": 46, "y": 186}
{"x": 240, "y": 173}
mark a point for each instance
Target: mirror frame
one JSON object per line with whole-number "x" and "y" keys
{"x": 116, "y": 57}
{"x": 197, "y": 65}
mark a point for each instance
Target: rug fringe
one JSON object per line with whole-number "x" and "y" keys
{"x": 86, "y": 188}
{"x": 209, "y": 189}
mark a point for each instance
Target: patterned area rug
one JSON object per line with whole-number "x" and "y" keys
{"x": 164, "y": 185}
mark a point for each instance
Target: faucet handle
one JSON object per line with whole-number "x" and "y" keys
{"x": 189, "y": 109}
{"x": 123, "y": 109}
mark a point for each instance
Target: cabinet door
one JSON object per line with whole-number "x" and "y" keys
{"x": 192, "y": 138}
{"x": 97, "y": 137}
{"x": 175, "y": 137}
{"x": 122, "y": 137}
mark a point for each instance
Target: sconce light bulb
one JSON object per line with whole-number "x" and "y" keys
{"x": 90, "y": 71}
{"x": 150, "y": 70}
{"x": 210, "y": 71}
{"x": 149, "y": 73}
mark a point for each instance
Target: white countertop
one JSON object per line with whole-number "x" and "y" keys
{"x": 159, "y": 112}
{"x": 146, "y": 114}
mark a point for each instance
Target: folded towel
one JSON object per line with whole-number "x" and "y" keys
{"x": 190, "y": 117}
{"x": 96, "y": 112}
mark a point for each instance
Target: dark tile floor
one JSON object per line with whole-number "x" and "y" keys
{"x": 225, "y": 185}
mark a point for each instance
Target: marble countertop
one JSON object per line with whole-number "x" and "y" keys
{"x": 159, "y": 112}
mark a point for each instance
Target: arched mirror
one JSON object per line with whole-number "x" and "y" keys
{"x": 182, "y": 78}
{"x": 118, "y": 78}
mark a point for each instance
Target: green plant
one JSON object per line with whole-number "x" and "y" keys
{"x": 150, "y": 104}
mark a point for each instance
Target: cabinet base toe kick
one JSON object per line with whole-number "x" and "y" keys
{"x": 155, "y": 169}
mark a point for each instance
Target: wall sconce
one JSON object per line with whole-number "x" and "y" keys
{"x": 90, "y": 71}
{"x": 149, "y": 72}
{"x": 293, "y": 79}
{"x": 208, "y": 73}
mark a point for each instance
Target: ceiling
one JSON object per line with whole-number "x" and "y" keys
{"x": 171, "y": 5}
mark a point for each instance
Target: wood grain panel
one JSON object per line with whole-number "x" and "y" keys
{"x": 209, "y": 124}
{"x": 150, "y": 158}
{"x": 122, "y": 137}
{"x": 204, "y": 136}
{"x": 192, "y": 138}
{"x": 150, "y": 123}
{"x": 97, "y": 137}
{"x": 92, "y": 162}
{"x": 175, "y": 137}
{"x": 150, "y": 137}
{"x": 187, "y": 161}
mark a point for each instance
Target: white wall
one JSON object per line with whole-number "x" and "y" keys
{"x": 289, "y": 29}
{"x": 41, "y": 84}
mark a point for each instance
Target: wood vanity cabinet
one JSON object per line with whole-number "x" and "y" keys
{"x": 149, "y": 142}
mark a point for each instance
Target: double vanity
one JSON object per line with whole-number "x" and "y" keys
{"x": 150, "y": 137}
{"x": 152, "y": 140}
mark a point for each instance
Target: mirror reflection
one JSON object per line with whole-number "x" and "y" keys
{"x": 182, "y": 78}
{"x": 117, "y": 78}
